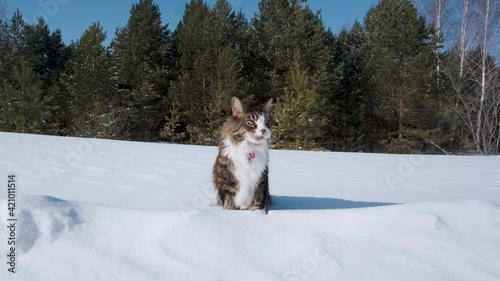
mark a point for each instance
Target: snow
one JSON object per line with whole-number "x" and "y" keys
{"x": 113, "y": 210}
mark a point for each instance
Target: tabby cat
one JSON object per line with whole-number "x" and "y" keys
{"x": 240, "y": 173}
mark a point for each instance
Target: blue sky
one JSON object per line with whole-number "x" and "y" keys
{"x": 74, "y": 16}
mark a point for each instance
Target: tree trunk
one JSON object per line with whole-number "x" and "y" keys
{"x": 484, "y": 56}
{"x": 462, "y": 50}
{"x": 400, "y": 121}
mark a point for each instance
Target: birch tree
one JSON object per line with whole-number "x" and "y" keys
{"x": 474, "y": 77}
{"x": 436, "y": 11}
{"x": 459, "y": 29}
{"x": 487, "y": 33}
{"x": 465, "y": 31}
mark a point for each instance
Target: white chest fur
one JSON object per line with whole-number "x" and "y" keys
{"x": 247, "y": 171}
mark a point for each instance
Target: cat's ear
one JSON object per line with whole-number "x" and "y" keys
{"x": 269, "y": 106}
{"x": 237, "y": 107}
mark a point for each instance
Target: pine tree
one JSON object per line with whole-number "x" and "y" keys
{"x": 90, "y": 85}
{"x": 195, "y": 43}
{"x": 351, "y": 120}
{"x": 209, "y": 68}
{"x": 286, "y": 29}
{"x": 24, "y": 104}
{"x": 46, "y": 54}
{"x": 297, "y": 116}
{"x": 2, "y": 12}
{"x": 11, "y": 45}
{"x": 170, "y": 131}
{"x": 4, "y": 48}
{"x": 245, "y": 47}
{"x": 399, "y": 52}
{"x": 45, "y": 51}
{"x": 143, "y": 58}
{"x": 224, "y": 86}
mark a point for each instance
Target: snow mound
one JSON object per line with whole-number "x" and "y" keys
{"x": 63, "y": 240}
{"x": 111, "y": 210}
{"x": 45, "y": 219}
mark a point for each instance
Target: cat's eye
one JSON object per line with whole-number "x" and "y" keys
{"x": 267, "y": 122}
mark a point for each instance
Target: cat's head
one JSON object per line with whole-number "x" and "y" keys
{"x": 250, "y": 124}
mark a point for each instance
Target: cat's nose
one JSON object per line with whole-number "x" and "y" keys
{"x": 263, "y": 131}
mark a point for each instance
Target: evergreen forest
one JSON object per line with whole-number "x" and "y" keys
{"x": 410, "y": 77}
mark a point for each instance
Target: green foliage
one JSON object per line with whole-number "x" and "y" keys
{"x": 11, "y": 42}
{"x": 208, "y": 69}
{"x": 289, "y": 32}
{"x": 283, "y": 29}
{"x": 297, "y": 114}
{"x": 170, "y": 131}
{"x": 351, "y": 119}
{"x": 371, "y": 87}
{"x": 226, "y": 84}
{"x": 196, "y": 50}
{"x": 402, "y": 146}
{"x": 142, "y": 56}
{"x": 399, "y": 52}
{"x": 89, "y": 87}
{"x": 24, "y": 104}
{"x": 45, "y": 53}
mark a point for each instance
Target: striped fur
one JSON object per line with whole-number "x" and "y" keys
{"x": 240, "y": 172}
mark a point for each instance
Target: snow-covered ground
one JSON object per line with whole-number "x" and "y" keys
{"x": 111, "y": 210}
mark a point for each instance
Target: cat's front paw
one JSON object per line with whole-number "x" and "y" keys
{"x": 255, "y": 208}
{"x": 243, "y": 201}
{"x": 229, "y": 206}
{"x": 260, "y": 209}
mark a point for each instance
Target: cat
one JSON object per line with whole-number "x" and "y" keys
{"x": 240, "y": 172}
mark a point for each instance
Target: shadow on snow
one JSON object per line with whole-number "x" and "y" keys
{"x": 314, "y": 203}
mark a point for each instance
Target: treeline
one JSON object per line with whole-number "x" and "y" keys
{"x": 386, "y": 85}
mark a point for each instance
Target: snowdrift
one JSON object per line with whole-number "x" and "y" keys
{"x": 111, "y": 210}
